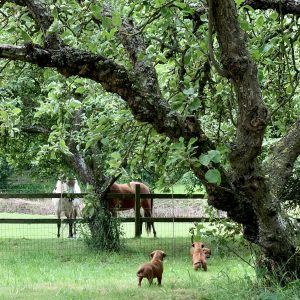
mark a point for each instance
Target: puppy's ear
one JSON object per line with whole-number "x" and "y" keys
{"x": 152, "y": 253}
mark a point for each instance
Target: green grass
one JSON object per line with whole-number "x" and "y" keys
{"x": 36, "y": 265}
{"x": 49, "y": 230}
{"x": 61, "y": 274}
{"x": 89, "y": 275}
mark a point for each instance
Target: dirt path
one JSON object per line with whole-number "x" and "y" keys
{"x": 161, "y": 208}
{"x": 24, "y": 206}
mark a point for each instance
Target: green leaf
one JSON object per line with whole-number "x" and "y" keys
{"x": 204, "y": 159}
{"x": 238, "y": 2}
{"x": 245, "y": 25}
{"x": 194, "y": 104}
{"x": 289, "y": 88}
{"x": 214, "y": 156}
{"x": 178, "y": 100}
{"x": 159, "y": 2}
{"x": 89, "y": 143}
{"x": 189, "y": 91}
{"x": 26, "y": 37}
{"x": 274, "y": 15}
{"x": 80, "y": 90}
{"x": 213, "y": 176}
{"x": 16, "y": 111}
{"x": 54, "y": 27}
{"x": 267, "y": 47}
{"x": 52, "y": 155}
{"x": 187, "y": 56}
{"x": 176, "y": 105}
{"x": 97, "y": 11}
{"x": 260, "y": 21}
{"x": 116, "y": 19}
{"x": 116, "y": 155}
{"x": 75, "y": 104}
{"x": 3, "y": 114}
{"x": 62, "y": 144}
{"x": 180, "y": 4}
{"x": 106, "y": 22}
{"x": 219, "y": 87}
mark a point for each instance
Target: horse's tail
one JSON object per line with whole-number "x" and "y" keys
{"x": 149, "y": 224}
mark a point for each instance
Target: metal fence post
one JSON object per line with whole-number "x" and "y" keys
{"x": 137, "y": 207}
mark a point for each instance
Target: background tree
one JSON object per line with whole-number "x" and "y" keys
{"x": 188, "y": 69}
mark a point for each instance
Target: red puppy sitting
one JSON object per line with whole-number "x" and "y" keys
{"x": 199, "y": 254}
{"x": 152, "y": 269}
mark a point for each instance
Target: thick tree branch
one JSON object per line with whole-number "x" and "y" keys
{"x": 236, "y": 60}
{"x": 35, "y": 129}
{"x": 282, "y": 7}
{"x": 41, "y": 16}
{"x": 214, "y": 62}
{"x": 283, "y": 155}
{"x": 76, "y": 161}
{"x": 139, "y": 89}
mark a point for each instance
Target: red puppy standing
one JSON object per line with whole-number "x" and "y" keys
{"x": 152, "y": 269}
{"x": 199, "y": 254}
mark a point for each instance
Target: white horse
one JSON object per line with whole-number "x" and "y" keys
{"x": 70, "y": 206}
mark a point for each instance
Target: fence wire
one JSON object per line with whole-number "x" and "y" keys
{"x": 172, "y": 237}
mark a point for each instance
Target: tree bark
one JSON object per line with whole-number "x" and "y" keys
{"x": 282, "y": 157}
{"x": 275, "y": 235}
{"x": 282, "y": 7}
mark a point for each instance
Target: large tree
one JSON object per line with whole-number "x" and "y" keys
{"x": 189, "y": 70}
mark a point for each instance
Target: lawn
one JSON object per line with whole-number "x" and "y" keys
{"x": 44, "y": 267}
{"x": 61, "y": 274}
{"x": 66, "y": 269}
{"x": 49, "y": 230}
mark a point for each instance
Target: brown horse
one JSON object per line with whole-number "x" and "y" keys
{"x": 120, "y": 204}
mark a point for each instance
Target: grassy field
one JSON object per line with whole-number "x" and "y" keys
{"x": 38, "y": 231}
{"x": 36, "y": 265}
{"x": 90, "y": 275}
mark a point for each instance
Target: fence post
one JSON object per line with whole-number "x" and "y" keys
{"x": 137, "y": 207}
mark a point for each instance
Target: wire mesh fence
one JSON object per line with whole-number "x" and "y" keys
{"x": 41, "y": 238}
{"x": 23, "y": 237}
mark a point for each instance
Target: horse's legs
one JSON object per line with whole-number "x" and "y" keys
{"x": 70, "y": 228}
{"x": 74, "y": 224}
{"x": 69, "y": 217}
{"x": 58, "y": 228}
{"x": 141, "y": 227}
{"x": 147, "y": 213}
{"x": 153, "y": 228}
{"x": 147, "y": 205}
{"x": 58, "y": 224}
